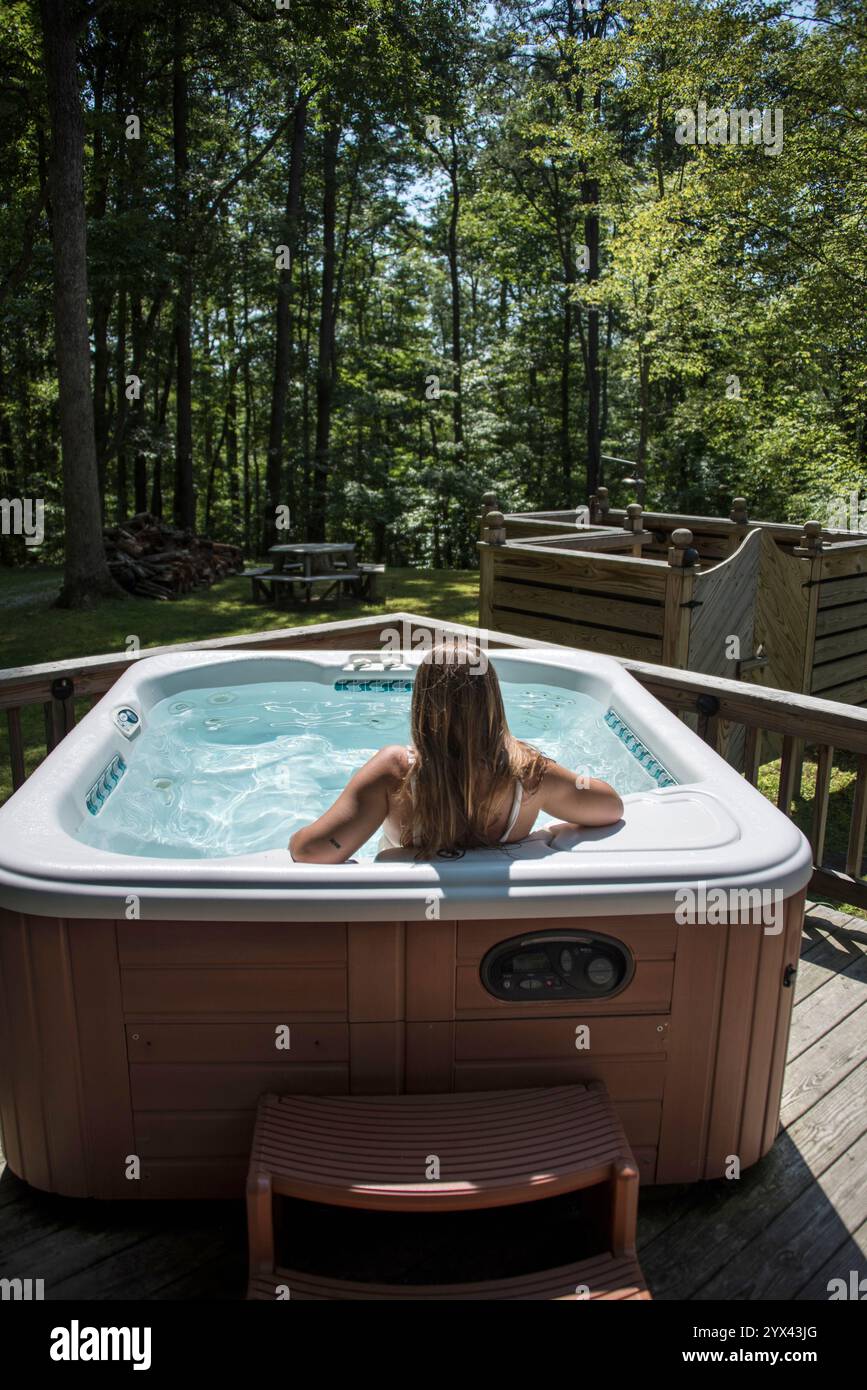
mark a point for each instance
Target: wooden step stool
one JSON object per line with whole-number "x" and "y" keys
{"x": 495, "y": 1148}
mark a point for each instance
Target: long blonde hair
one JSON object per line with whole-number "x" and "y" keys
{"x": 465, "y": 756}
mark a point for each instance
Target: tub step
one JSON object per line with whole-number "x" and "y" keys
{"x": 422, "y": 1153}
{"x": 605, "y": 1277}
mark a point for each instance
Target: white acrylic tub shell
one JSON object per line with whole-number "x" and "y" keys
{"x": 712, "y": 828}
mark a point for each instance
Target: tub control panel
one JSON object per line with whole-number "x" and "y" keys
{"x": 557, "y": 965}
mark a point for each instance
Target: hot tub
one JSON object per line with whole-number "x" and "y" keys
{"x": 164, "y": 962}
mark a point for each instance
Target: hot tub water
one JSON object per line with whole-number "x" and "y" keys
{"x": 237, "y": 770}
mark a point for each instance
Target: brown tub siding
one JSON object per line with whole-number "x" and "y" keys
{"x": 155, "y": 1040}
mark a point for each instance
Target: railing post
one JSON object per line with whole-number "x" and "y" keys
{"x": 680, "y": 583}
{"x": 708, "y": 720}
{"x": 489, "y": 504}
{"x": 858, "y": 824}
{"x": 634, "y": 523}
{"x": 818, "y": 829}
{"x": 681, "y": 553}
{"x": 493, "y": 536}
{"x": 599, "y": 507}
{"x": 16, "y": 748}
{"x": 811, "y": 541}
{"x": 738, "y": 515}
{"x": 811, "y": 548}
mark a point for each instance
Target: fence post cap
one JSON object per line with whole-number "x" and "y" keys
{"x": 494, "y": 528}
{"x": 681, "y": 553}
{"x": 811, "y": 540}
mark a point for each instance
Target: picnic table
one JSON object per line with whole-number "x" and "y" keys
{"x": 311, "y": 551}
{"x": 329, "y": 565}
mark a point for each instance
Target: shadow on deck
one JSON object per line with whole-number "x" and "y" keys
{"x": 782, "y": 1231}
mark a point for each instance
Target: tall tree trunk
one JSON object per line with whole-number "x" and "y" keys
{"x": 455, "y": 286}
{"x": 120, "y": 376}
{"x": 283, "y": 327}
{"x": 102, "y": 295}
{"x": 245, "y": 330}
{"x": 325, "y": 354}
{"x": 184, "y": 497}
{"x": 140, "y": 464}
{"x": 161, "y": 405}
{"x": 8, "y": 484}
{"x": 603, "y": 423}
{"x": 590, "y": 198}
{"x": 565, "y": 490}
{"x": 643, "y": 422}
{"x": 101, "y": 364}
{"x": 232, "y": 427}
{"x": 86, "y": 575}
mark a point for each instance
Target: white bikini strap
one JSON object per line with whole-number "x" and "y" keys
{"x": 516, "y": 809}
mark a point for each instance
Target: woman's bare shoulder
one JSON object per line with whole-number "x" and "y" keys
{"x": 389, "y": 765}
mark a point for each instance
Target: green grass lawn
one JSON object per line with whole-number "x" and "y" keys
{"x": 33, "y": 632}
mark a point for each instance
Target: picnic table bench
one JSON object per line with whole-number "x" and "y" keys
{"x": 261, "y": 577}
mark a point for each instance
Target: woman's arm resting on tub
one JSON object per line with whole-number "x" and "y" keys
{"x": 578, "y": 799}
{"x": 359, "y": 810}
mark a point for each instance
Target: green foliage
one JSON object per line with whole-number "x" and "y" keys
{"x": 730, "y": 292}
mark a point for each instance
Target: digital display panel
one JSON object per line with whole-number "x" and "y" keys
{"x": 535, "y": 961}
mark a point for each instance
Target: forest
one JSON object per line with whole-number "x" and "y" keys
{"x": 335, "y": 269}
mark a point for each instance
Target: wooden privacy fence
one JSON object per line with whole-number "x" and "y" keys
{"x": 837, "y": 733}
{"x": 777, "y": 604}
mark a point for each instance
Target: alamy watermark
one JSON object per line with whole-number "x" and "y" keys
{"x": 716, "y": 906}
{"x": 77, "y": 1343}
{"x": 23, "y": 516}
{"x": 729, "y": 125}
{"x": 437, "y": 644}
{"x": 848, "y": 513}
{"x": 22, "y": 1290}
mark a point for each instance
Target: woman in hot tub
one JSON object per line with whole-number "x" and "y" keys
{"x": 465, "y": 782}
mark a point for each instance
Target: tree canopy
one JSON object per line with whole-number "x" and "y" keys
{"x": 368, "y": 259}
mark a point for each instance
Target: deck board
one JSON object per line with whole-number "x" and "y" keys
{"x": 791, "y": 1223}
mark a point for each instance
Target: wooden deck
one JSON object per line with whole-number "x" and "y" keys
{"x": 796, "y": 1220}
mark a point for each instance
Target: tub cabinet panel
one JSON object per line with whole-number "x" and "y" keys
{"x": 377, "y": 972}
{"x": 155, "y": 1040}
{"x": 561, "y": 1039}
{"x": 296, "y": 991}
{"x": 204, "y": 1178}
{"x": 627, "y": 1079}
{"x": 377, "y": 1058}
{"x": 269, "y": 1041}
{"x": 198, "y": 1087}
{"x": 194, "y": 1134}
{"x": 231, "y": 943}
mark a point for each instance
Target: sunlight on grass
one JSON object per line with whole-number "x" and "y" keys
{"x": 840, "y": 796}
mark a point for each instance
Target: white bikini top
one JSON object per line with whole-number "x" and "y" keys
{"x": 391, "y": 831}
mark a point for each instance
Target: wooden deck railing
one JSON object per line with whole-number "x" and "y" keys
{"x": 836, "y": 732}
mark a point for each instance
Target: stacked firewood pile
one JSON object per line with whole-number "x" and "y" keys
{"x": 148, "y": 557}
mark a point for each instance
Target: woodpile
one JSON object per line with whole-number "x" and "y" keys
{"x": 148, "y": 557}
